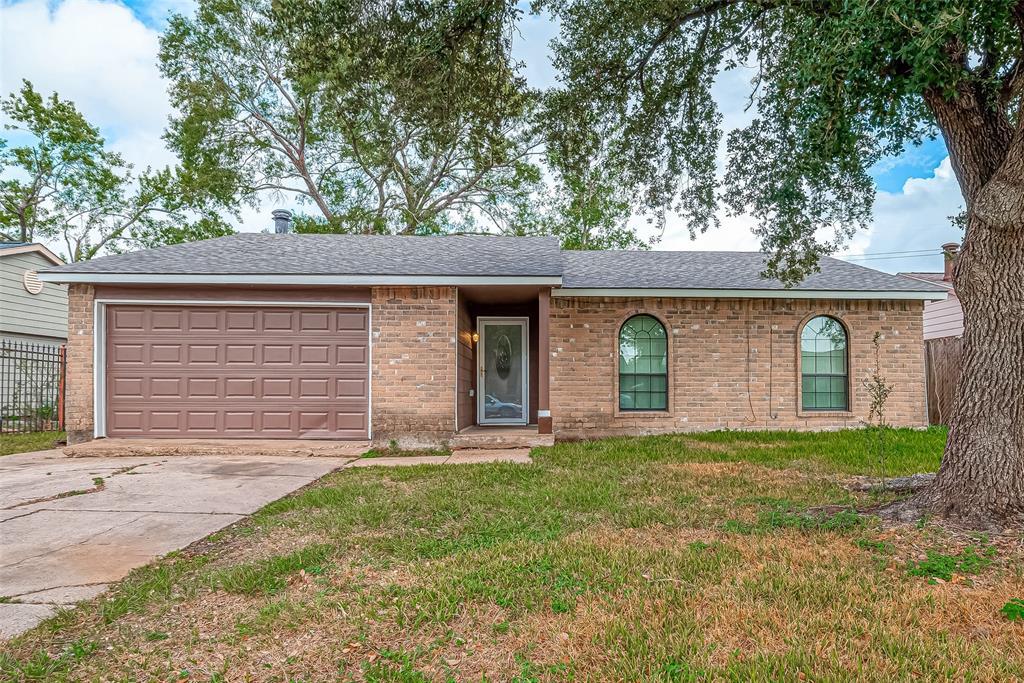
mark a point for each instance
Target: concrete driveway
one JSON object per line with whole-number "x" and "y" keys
{"x": 65, "y": 535}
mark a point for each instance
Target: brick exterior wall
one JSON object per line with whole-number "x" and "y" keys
{"x": 733, "y": 364}
{"x": 413, "y": 368}
{"x": 718, "y": 350}
{"x": 78, "y": 402}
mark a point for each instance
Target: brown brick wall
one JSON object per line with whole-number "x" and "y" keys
{"x": 414, "y": 348}
{"x": 78, "y": 405}
{"x": 732, "y": 363}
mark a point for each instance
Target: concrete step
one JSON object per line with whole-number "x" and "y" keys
{"x": 500, "y": 439}
{"x": 119, "y": 447}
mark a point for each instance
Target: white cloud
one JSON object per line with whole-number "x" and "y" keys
{"x": 100, "y": 56}
{"x": 915, "y": 219}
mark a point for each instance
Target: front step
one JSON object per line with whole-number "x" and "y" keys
{"x": 500, "y": 438}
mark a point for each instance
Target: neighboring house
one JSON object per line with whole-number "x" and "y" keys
{"x": 33, "y": 325}
{"x": 943, "y": 327}
{"x": 942, "y": 318}
{"x": 419, "y": 338}
{"x": 31, "y": 310}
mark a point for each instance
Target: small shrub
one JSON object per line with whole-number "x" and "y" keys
{"x": 1013, "y": 610}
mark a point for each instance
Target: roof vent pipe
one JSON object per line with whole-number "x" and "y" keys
{"x": 949, "y": 250}
{"x": 282, "y": 220}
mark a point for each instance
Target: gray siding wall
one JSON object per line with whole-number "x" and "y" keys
{"x": 943, "y": 318}
{"x": 37, "y": 315}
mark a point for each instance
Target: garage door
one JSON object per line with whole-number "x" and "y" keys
{"x": 239, "y": 371}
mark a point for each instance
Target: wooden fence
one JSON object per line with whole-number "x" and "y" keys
{"x": 942, "y": 364}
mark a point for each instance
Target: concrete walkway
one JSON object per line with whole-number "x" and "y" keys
{"x": 464, "y": 457}
{"x": 70, "y": 526}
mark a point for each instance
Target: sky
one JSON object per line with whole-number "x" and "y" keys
{"x": 102, "y": 55}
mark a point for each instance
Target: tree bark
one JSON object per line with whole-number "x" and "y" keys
{"x": 980, "y": 483}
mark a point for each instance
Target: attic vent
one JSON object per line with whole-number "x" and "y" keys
{"x": 33, "y": 285}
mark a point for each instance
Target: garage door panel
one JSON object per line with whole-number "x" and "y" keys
{"x": 237, "y": 371}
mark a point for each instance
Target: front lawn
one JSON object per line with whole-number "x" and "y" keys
{"x": 730, "y": 556}
{"x": 32, "y": 441}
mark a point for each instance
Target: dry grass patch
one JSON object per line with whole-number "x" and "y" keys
{"x": 719, "y": 557}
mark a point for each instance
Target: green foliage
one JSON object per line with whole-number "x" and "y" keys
{"x": 835, "y": 86}
{"x": 1013, "y": 610}
{"x": 943, "y": 566}
{"x": 61, "y": 183}
{"x": 400, "y": 117}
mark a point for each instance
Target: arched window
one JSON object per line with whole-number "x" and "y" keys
{"x": 824, "y": 365}
{"x": 643, "y": 364}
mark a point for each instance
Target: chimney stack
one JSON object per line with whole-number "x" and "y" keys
{"x": 949, "y": 250}
{"x": 282, "y": 220}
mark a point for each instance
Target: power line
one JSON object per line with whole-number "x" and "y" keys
{"x": 890, "y": 253}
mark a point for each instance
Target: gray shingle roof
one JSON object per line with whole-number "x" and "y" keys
{"x": 483, "y": 256}
{"x": 291, "y": 254}
{"x": 715, "y": 270}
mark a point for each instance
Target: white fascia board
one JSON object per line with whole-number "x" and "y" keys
{"x": 36, "y": 248}
{"x": 750, "y": 294}
{"x": 242, "y": 279}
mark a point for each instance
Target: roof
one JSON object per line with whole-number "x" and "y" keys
{"x": 313, "y": 254}
{"x": 937, "y": 278}
{"x": 12, "y": 248}
{"x": 259, "y": 258}
{"x": 716, "y": 270}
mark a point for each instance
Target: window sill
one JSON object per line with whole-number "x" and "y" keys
{"x": 643, "y": 413}
{"x": 825, "y": 413}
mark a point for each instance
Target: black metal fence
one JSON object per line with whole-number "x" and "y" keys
{"x": 31, "y": 387}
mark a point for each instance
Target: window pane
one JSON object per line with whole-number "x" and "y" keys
{"x": 823, "y": 364}
{"x": 810, "y": 400}
{"x": 643, "y": 364}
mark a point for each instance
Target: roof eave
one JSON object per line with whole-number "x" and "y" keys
{"x": 285, "y": 279}
{"x": 697, "y": 293}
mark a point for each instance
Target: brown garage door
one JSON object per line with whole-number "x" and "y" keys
{"x": 239, "y": 371}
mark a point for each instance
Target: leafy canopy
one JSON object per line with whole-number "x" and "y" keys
{"x": 403, "y": 117}
{"x": 60, "y": 182}
{"x": 836, "y": 84}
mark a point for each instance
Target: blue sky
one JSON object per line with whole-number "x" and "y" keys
{"x": 101, "y": 54}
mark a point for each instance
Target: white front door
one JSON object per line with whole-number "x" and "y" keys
{"x": 503, "y": 370}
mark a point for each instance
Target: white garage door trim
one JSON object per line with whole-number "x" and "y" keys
{"x": 99, "y": 341}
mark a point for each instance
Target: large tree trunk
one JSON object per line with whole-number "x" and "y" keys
{"x": 980, "y": 483}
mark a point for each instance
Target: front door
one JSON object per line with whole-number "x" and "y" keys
{"x": 503, "y": 370}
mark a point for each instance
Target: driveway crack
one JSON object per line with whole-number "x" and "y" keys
{"x": 99, "y": 483}
{"x": 76, "y": 543}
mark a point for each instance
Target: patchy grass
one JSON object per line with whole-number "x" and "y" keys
{"x": 724, "y": 556}
{"x": 33, "y": 441}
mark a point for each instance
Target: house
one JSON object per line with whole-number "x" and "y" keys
{"x": 943, "y": 318}
{"x": 31, "y": 310}
{"x": 943, "y": 327}
{"x": 420, "y": 339}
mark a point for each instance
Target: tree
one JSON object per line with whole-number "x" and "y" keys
{"x": 837, "y": 84}
{"x": 404, "y": 117}
{"x": 63, "y": 184}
